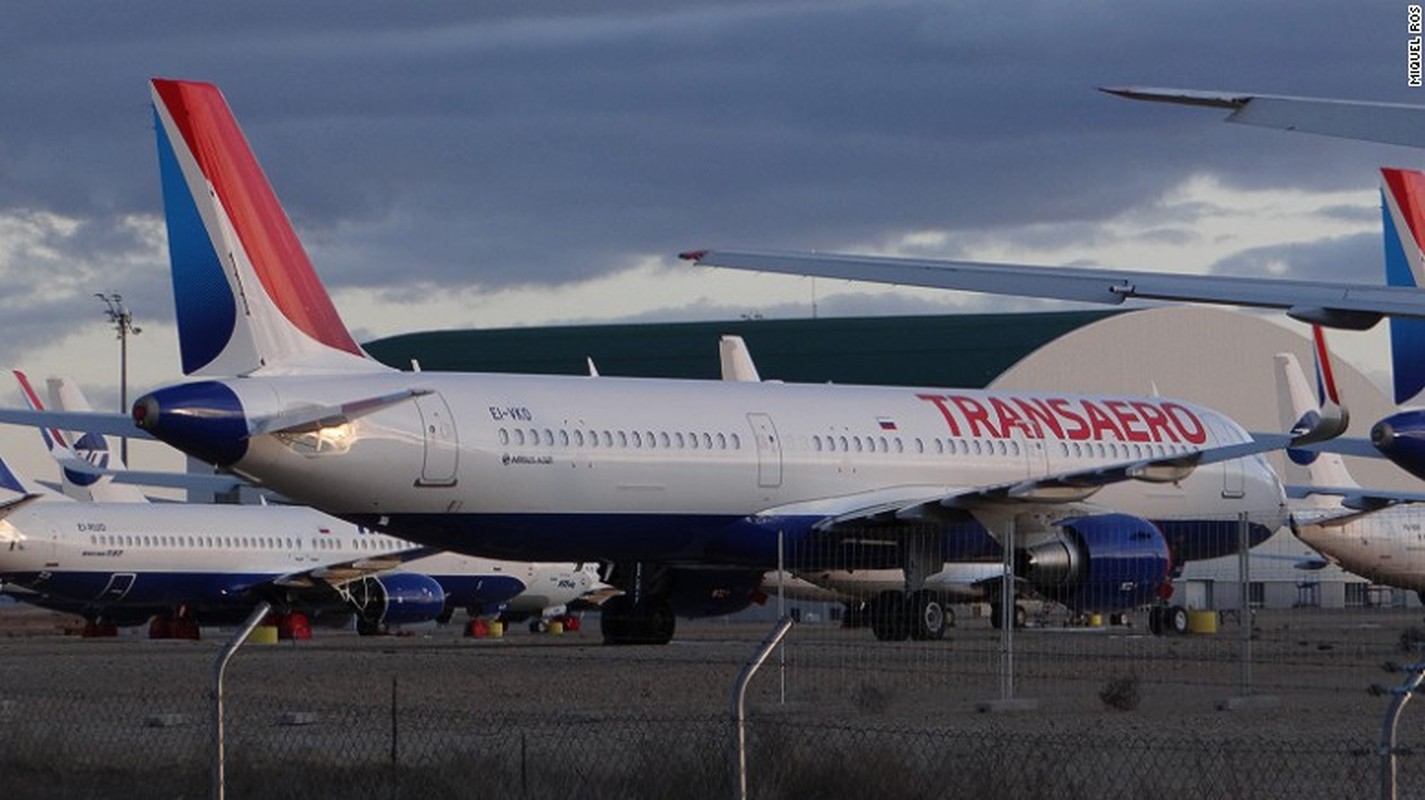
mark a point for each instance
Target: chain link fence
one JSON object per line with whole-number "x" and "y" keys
{"x": 1118, "y": 714}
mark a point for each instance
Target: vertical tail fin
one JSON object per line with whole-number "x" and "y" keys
{"x": 245, "y": 292}
{"x": 1298, "y": 408}
{"x": 736, "y": 359}
{"x": 68, "y": 451}
{"x": 1403, "y": 224}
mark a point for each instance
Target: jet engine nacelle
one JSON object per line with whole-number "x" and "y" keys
{"x": 1099, "y": 563}
{"x": 1401, "y": 438}
{"x": 397, "y": 598}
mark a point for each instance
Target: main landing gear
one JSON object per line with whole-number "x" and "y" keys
{"x": 917, "y": 615}
{"x": 997, "y": 616}
{"x": 1167, "y": 619}
{"x": 643, "y": 614}
{"x": 648, "y": 621}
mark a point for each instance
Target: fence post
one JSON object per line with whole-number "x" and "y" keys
{"x": 739, "y": 698}
{"x": 220, "y": 666}
{"x": 1399, "y": 696}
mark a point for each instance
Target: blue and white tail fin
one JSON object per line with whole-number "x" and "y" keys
{"x": 1403, "y": 223}
{"x": 1300, "y": 408}
{"x": 246, "y": 295}
{"x": 85, "y": 449}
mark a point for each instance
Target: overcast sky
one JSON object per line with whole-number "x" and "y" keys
{"x": 496, "y": 164}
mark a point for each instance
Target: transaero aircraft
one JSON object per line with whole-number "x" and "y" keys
{"x": 118, "y": 560}
{"x": 685, "y": 490}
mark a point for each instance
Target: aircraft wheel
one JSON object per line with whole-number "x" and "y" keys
{"x": 926, "y": 616}
{"x": 614, "y": 621}
{"x": 657, "y": 623}
{"x": 1021, "y": 617}
{"x": 1177, "y": 618}
{"x": 365, "y": 627}
{"x": 624, "y": 623}
{"x": 889, "y": 620}
{"x": 1155, "y": 619}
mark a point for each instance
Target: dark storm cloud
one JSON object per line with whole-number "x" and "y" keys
{"x": 1342, "y": 259}
{"x": 540, "y": 143}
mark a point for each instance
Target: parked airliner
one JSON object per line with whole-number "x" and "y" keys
{"x": 683, "y": 489}
{"x": 117, "y": 560}
{"x": 1363, "y": 531}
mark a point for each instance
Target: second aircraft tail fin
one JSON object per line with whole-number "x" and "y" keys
{"x": 1299, "y": 408}
{"x": 1403, "y": 225}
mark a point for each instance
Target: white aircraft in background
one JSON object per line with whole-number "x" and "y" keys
{"x": 1364, "y": 531}
{"x": 117, "y": 560}
{"x": 683, "y": 489}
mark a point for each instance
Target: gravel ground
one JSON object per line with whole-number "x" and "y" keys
{"x": 101, "y": 699}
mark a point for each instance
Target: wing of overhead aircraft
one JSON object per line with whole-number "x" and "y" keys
{"x": 1338, "y": 305}
{"x": 1334, "y": 305}
{"x": 1387, "y": 123}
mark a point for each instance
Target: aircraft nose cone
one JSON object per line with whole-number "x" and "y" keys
{"x": 1383, "y": 435}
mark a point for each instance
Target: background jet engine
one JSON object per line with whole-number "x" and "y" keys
{"x": 1106, "y": 562}
{"x": 395, "y": 599}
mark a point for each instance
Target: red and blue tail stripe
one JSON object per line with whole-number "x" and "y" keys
{"x": 1403, "y": 223}
{"x": 236, "y": 258}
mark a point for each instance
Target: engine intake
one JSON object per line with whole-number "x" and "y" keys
{"x": 397, "y": 598}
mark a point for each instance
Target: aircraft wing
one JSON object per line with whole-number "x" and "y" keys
{"x": 317, "y": 417}
{"x": 1339, "y": 305}
{"x": 1387, "y": 123}
{"x": 1357, "y": 499}
{"x": 913, "y": 505}
{"x": 341, "y": 573}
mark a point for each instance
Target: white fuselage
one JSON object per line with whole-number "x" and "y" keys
{"x": 153, "y": 556}
{"x": 558, "y": 468}
{"x": 1386, "y": 547}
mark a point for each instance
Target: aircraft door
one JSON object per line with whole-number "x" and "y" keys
{"x": 119, "y": 585}
{"x": 1234, "y": 479}
{"x": 442, "y": 446}
{"x": 769, "y": 451}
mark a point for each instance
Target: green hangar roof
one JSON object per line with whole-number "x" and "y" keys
{"x": 966, "y": 350}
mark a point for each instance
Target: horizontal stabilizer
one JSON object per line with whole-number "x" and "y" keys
{"x": 317, "y": 417}
{"x": 101, "y": 422}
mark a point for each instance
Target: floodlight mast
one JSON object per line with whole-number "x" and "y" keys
{"x": 123, "y": 322}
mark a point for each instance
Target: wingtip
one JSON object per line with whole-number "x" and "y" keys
{"x": 693, "y": 255}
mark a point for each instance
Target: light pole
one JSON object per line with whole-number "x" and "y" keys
{"x": 123, "y": 321}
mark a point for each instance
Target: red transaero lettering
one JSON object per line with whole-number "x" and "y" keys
{"x": 1079, "y": 418}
